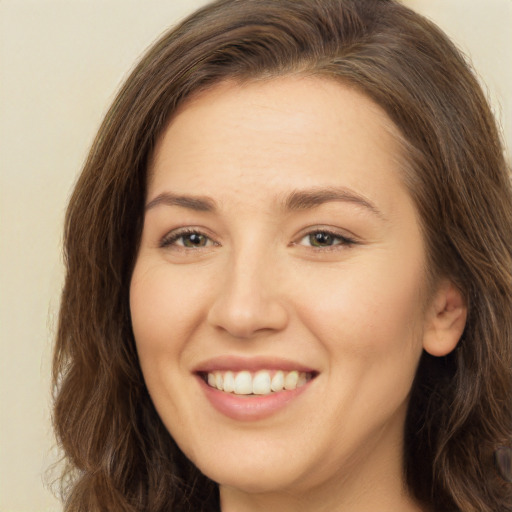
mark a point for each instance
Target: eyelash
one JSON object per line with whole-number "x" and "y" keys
{"x": 343, "y": 241}
{"x": 171, "y": 238}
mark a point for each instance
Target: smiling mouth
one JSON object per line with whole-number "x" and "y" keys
{"x": 262, "y": 382}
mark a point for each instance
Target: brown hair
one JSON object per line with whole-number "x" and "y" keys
{"x": 120, "y": 456}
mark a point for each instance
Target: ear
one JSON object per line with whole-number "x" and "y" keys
{"x": 445, "y": 320}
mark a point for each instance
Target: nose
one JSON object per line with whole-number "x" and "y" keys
{"x": 248, "y": 301}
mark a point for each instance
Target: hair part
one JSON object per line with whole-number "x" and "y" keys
{"x": 120, "y": 455}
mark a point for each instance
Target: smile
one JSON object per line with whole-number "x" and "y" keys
{"x": 262, "y": 382}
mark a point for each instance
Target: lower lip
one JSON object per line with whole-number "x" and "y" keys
{"x": 250, "y": 407}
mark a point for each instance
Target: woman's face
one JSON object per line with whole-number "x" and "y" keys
{"x": 281, "y": 255}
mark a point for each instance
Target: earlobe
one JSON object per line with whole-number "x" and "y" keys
{"x": 445, "y": 321}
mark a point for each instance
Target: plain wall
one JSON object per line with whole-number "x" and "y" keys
{"x": 61, "y": 62}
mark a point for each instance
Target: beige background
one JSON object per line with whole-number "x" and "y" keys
{"x": 61, "y": 62}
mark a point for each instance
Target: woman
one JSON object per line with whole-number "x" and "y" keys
{"x": 289, "y": 273}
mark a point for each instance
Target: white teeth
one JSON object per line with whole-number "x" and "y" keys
{"x": 277, "y": 381}
{"x": 290, "y": 381}
{"x": 243, "y": 383}
{"x": 261, "y": 383}
{"x": 229, "y": 382}
{"x": 219, "y": 380}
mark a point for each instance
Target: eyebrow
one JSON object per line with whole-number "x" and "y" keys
{"x": 312, "y": 198}
{"x": 295, "y": 201}
{"x": 197, "y": 203}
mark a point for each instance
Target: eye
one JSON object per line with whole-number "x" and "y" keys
{"x": 187, "y": 239}
{"x": 325, "y": 239}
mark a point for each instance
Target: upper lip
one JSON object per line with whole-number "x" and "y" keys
{"x": 237, "y": 363}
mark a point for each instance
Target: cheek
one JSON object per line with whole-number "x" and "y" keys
{"x": 163, "y": 309}
{"x": 370, "y": 311}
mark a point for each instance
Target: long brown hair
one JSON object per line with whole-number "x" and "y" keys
{"x": 120, "y": 457}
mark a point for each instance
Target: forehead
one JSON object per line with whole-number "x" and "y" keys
{"x": 273, "y": 135}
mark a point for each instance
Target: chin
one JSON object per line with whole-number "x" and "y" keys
{"x": 262, "y": 483}
{"x": 254, "y": 475}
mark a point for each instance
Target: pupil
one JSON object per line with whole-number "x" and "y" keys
{"x": 194, "y": 239}
{"x": 322, "y": 239}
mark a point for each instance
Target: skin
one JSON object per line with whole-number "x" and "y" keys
{"x": 357, "y": 313}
